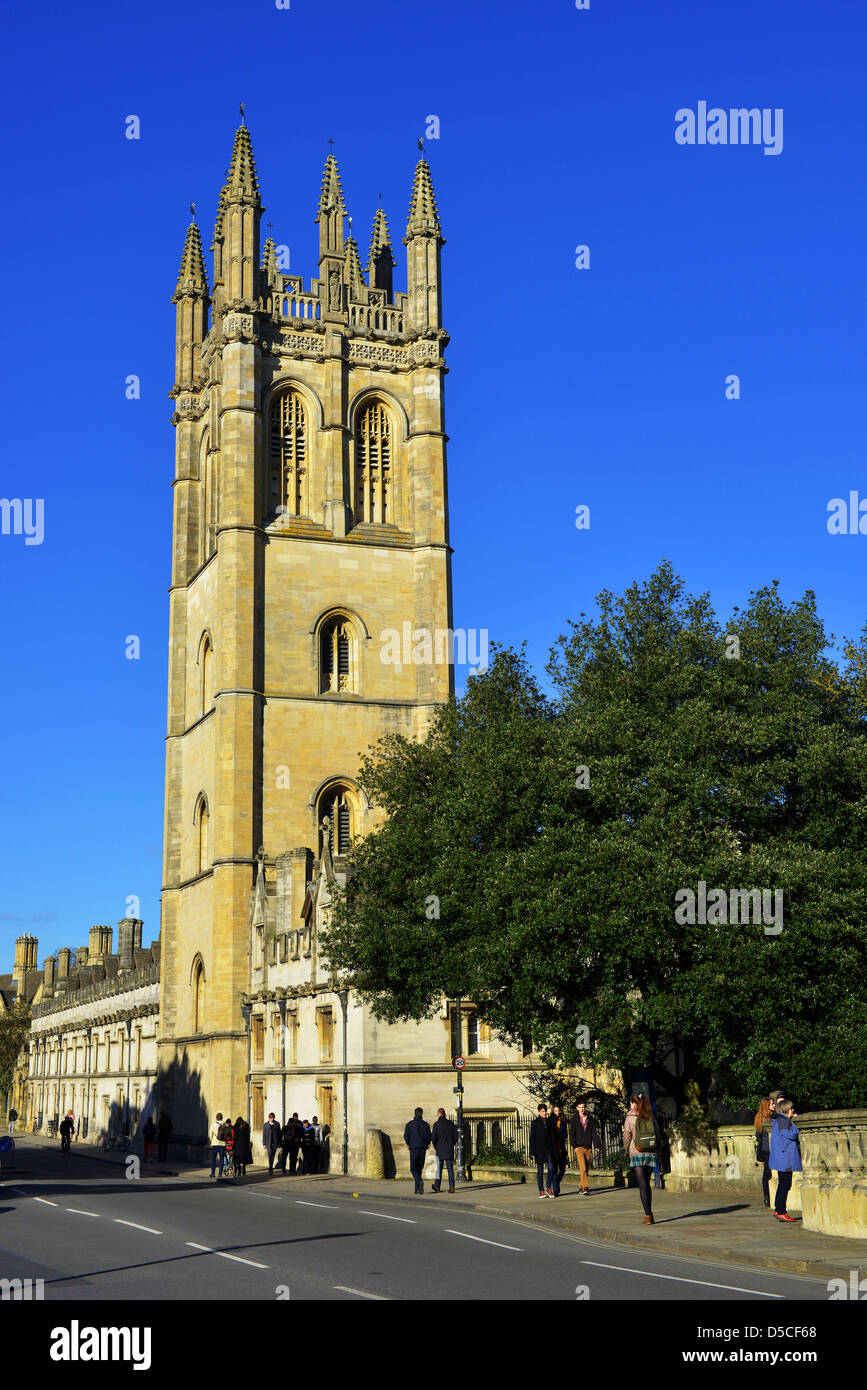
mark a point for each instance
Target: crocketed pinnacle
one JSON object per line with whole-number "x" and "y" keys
{"x": 352, "y": 272}
{"x": 269, "y": 261}
{"x": 193, "y": 275}
{"x": 423, "y": 216}
{"x": 242, "y": 179}
{"x": 331, "y": 197}
{"x": 380, "y": 242}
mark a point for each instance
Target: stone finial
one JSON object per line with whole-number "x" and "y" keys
{"x": 352, "y": 272}
{"x": 242, "y": 181}
{"x": 380, "y": 241}
{"x": 193, "y": 277}
{"x": 331, "y": 196}
{"x": 423, "y": 217}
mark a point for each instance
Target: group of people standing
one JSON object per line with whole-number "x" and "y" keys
{"x": 301, "y": 1144}
{"x": 553, "y": 1137}
{"x": 777, "y": 1149}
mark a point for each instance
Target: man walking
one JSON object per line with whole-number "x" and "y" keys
{"x": 417, "y": 1136}
{"x": 218, "y": 1134}
{"x": 271, "y": 1140}
{"x": 584, "y": 1139}
{"x": 540, "y": 1152}
{"x": 316, "y": 1145}
{"x": 291, "y": 1143}
{"x": 13, "y": 1116}
{"x": 164, "y": 1131}
{"x": 444, "y": 1137}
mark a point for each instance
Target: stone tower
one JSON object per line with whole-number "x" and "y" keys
{"x": 310, "y": 519}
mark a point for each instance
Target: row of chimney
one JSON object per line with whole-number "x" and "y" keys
{"x": 55, "y": 972}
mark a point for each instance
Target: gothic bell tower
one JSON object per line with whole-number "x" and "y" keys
{"x": 310, "y": 521}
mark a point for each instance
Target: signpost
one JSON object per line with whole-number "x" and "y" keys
{"x": 459, "y": 1063}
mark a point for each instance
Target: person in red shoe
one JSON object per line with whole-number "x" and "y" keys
{"x": 785, "y": 1156}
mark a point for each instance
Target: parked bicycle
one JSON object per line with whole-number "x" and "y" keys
{"x": 116, "y": 1141}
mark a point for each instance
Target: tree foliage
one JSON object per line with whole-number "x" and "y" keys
{"x": 14, "y": 1032}
{"x": 556, "y": 900}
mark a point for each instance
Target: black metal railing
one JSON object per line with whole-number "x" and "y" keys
{"x": 508, "y": 1136}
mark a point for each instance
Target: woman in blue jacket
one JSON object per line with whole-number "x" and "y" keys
{"x": 785, "y": 1156}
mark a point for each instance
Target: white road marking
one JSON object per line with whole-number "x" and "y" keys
{"x": 137, "y": 1226}
{"x": 299, "y": 1203}
{"x": 406, "y": 1219}
{"x": 269, "y": 1197}
{"x": 224, "y": 1254}
{"x": 466, "y": 1235}
{"x": 735, "y": 1288}
{"x": 45, "y": 1202}
{"x": 359, "y": 1293}
{"x": 75, "y": 1211}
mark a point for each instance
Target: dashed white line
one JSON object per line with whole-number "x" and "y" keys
{"x": 137, "y": 1226}
{"x": 45, "y": 1202}
{"x": 224, "y": 1254}
{"x": 359, "y": 1293}
{"x": 269, "y": 1197}
{"x": 323, "y": 1205}
{"x": 405, "y": 1219}
{"x": 735, "y": 1288}
{"x": 75, "y": 1211}
{"x": 466, "y": 1235}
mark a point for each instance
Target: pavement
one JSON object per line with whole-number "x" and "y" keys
{"x": 701, "y": 1226}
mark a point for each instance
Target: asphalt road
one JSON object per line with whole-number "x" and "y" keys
{"x": 92, "y": 1234}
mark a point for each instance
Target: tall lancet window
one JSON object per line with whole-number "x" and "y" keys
{"x": 336, "y": 656}
{"x": 201, "y": 834}
{"x": 337, "y": 807}
{"x": 288, "y": 455}
{"x": 373, "y": 464}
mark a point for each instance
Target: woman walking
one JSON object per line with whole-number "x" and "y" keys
{"x": 642, "y": 1141}
{"x": 763, "y": 1122}
{"x": 241, "y": 1150}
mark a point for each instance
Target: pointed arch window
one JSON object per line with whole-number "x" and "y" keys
{"x": 206, "y": 674}
{"x": 289, "y": 455}
{"x": 198, "y": 995}
{"x": 336, "y": 804}
{"x": 373, "y": 464}
{"x": 201, "y": 834}
{"x": 336, "y": 656}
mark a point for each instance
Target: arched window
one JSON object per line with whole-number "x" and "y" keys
{"x": 336, "y": 656}
{"x": 206, "y": 693}
{"x": 208, "y": 500}
{"x": 289, "y": 455}
{"x": 336, "y": 805}
{"x": 373, "y": 464}
{"x": 201, "y": 829}
{"x": 198, "y": 995}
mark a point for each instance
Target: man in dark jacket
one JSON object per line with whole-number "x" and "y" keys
{"x": 271, "y": 1140}
{"x": 164, "y": 1134}
{"x": 417, "y": 1137}
{"x": 584, "y": 1138}
{"x": 444, "y": 1137}
{"x": 291, "y": 1143}
{"x": 539, "y": 1151}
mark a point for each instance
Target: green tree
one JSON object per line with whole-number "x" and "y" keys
{"x": 14, "y": 1031}
{"x": 730, "y": 753}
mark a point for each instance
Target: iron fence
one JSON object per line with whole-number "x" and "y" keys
{"x": 511, "y": 1133}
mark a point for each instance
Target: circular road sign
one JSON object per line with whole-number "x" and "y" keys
{"x": 459, "y": 1062}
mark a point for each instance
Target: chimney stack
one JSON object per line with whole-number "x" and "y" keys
{"x": 25, "y": 959}
{"x": 128, "y": 942}
{"x": 63, "y": 956}
{"x": 48, "y": 976}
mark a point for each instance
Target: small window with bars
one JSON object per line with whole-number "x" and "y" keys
{"x": 336, "y": 807}
{"x": 336, "y": 654}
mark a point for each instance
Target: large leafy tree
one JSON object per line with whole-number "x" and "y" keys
{"x": 730, "y": 753}
{"x": 14, "y": 1032}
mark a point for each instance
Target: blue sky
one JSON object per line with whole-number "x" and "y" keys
{"x": 602, "y": 387}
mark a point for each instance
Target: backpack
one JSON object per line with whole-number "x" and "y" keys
{"x": 644, "y": 1136}
{"x": 223, "y": 1133}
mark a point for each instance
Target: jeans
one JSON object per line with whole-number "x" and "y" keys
{"x": 766, "y": 1182}
{"x": 289, "y": 1151}
{"x": 416, "y": 1164}
{"x": 218, "y": 1157}
{"x": 272, "y": 1154}
{"x": 450, "y": 1169}
{"x": 784, "y": 1183}
{"x": 544, "y": 1165}
{"x": 11, "y": 1126}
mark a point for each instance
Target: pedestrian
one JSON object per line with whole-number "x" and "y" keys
{"x": 291, "y": 1138}
{"x": 306, "y": 1137}
{"x": 67, "y": 1129}
{"x": 271, "y": 1140}
{"x": 417, "y": 1136}
{"x": 785, "y": 1156}
{"x": 444, "y": 1137}
{"x": 241, "y": 1151}
{"x": 643, "y": 1143}
{"x": 149, "y": 1134}
{"x": 13, "y": 1116}
{"x": 584, "y": 1138}
{"x": 217, "y": 1136}
{"x": 164, "y": 1134}
{"x": 316, "y": 1145}
{"x": 764, "y": 1120}
{"x": 558, "y": 1146}
{"x": 230, "y": 1146}
{"x": 540, "y": 1152}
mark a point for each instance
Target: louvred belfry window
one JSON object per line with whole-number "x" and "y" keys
{"x": 288, "y": 455}
{"x": 373, "y": 464}
{"x": 337, "y": 808}
{"x": 336, "y": 650}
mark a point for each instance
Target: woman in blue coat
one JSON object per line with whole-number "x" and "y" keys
{"x": 785, "y": 1156}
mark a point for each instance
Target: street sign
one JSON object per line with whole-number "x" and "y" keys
{"x": 459, "y": 1062}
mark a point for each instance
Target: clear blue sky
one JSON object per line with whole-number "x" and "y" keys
{"x": 603, "y": 386}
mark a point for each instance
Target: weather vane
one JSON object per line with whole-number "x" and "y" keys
{"x": 242, "y": 113}
{"x": 420, "y": 143}
{"x": 330, "y": 145}
{"x": 193, "y": 210}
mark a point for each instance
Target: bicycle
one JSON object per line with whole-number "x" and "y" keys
{"x": 116, "y": 1141}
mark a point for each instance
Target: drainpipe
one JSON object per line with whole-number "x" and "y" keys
{"x": 343, "y": 996}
